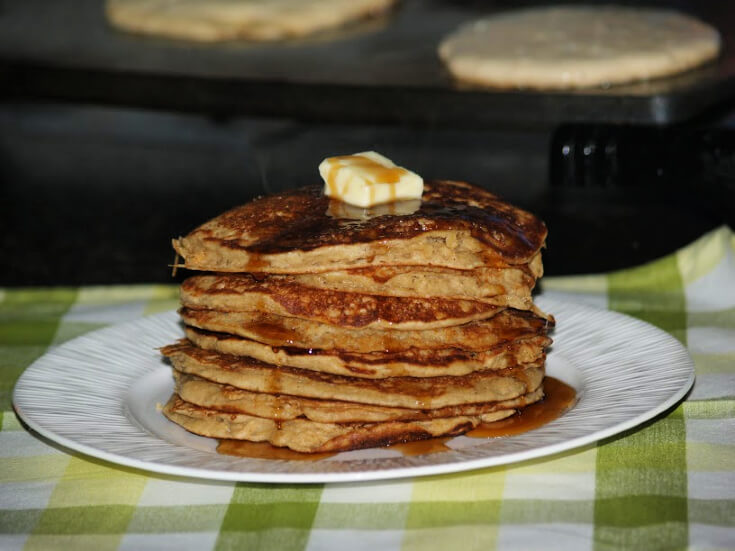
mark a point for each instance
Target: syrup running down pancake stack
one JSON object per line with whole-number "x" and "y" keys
{"x": 323, "y": 328}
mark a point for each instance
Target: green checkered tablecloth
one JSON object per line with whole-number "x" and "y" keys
{"x": 669, "y": 484}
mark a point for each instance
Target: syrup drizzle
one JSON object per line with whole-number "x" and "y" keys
{"x": 559, "y": 398}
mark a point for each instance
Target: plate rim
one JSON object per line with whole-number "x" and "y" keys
{"x": 336, "y": 476}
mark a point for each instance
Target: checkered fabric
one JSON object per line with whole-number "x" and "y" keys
{"x": 669, "y": 484}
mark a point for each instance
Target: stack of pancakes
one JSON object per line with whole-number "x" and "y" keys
{"x": 322, "y": 329}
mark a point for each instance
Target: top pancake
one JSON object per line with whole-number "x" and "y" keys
{"x": 457, "y": 225}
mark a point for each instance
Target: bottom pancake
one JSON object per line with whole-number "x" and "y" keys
{"x": 308, "y": 436}
{"x": 280, "y": 407}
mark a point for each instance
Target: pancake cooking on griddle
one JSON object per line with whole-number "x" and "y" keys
{"x": 373, "y": 310}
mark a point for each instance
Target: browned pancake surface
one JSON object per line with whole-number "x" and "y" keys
{"x": 247, "y": 237}
{"x": 484, "y": 283}
{"x": 407, "y": 392}
{"x": 283, "y": 297}
{"x": 307, "y": 436}
{"x": 414, "y": 362}
{"x": 506, "y": 326}
{"x": 281, "y": 407}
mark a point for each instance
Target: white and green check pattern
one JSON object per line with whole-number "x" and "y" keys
{"x": 669, "y": 484}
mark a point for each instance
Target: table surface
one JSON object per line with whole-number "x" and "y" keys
{"x": 667, "y": 484}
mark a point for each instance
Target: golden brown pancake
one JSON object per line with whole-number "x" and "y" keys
{"x": 564, "y": 47}
{"x": 282, "y": 407}
{"x": 307, "y": 436}
{"x": 282, "y": 297}
{"x": 325, "y": 327}
{"x": 378, "y": 365}
{"x": 506, "y": 326}
{"x": 456, "y": 226}
{"x": 501, "y": 286}
{"x": 404, "y": 392}
{"x": 223, "y": 20}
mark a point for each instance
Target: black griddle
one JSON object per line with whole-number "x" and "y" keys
{"x": 384, "y": 70}
{"x": 111, "y": 143}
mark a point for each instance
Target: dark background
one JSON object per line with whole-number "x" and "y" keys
{"x": 111, "y": 144}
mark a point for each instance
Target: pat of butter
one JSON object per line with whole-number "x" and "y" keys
{"x": 368, "y": 179}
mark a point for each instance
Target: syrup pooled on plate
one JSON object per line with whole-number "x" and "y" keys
{"x": 560, "y": 397}
{"x": 263, "y": 450}
{"x": 422, "y": 447}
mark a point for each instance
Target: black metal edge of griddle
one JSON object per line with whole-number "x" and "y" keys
{"x": 445, "y": 107}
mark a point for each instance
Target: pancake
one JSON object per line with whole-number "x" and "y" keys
{"x": 307, "y": 436}
{"x": 456, "y": 225}
{"x": 284, "y": 298}
{"x": 506, "y": 326}
{"x": 405, "y": 392}
{"x": 321, "y": 326}
{"x": 502, "y": 286}
{"x": 409, "y": 363}
{"x": 562, "y": 47}
{"x": 220, "y": 20}
{"x": 225, "y": 398}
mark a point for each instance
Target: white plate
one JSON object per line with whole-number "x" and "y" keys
{"x": 98, "y": 394}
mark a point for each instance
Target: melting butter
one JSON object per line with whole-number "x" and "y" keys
{"x": 345, "y": 211}
{"x": 367, "y": 179}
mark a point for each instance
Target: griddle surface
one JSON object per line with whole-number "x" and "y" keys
{"x": 382, "y": 70}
